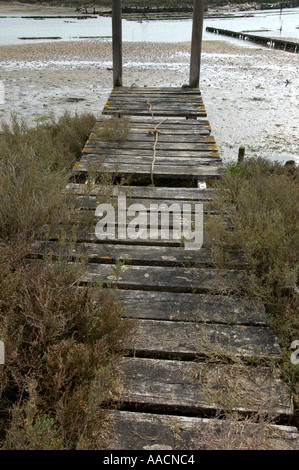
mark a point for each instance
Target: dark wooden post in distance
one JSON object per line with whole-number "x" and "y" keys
{"x": 117, "y": 42}
{"x": 197, "y": 28}
{"x": 241, "y": 155}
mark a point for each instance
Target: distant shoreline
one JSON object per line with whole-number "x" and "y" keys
{"x": 45, "y": 8}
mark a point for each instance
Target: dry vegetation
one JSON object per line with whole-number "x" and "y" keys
{"x": 265, "y": 195}
{"x": 61, "y": 340}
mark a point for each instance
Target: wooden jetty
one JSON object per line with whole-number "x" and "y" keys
{"x": 275, "y": 43}
{"x": 200, "y": 345}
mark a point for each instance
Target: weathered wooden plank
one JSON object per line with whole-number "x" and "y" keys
{"x": 174, "y": 123}
{"x": 137, "y": 255}
{"x": 192, "y": 307}
{"x": 114, "y": 158}
{"x": 155, "y": 100}
{"x": 191, "y": 340}
{"x": 155, "y": 97}
{"x": 148, "y": 89}
{"x": 166, "y": 157}
{"x": 158, "y": 112}
{"x": 139, "y": 124}
{"x": 127, "y": 157}
{"x": 173, "y": 134}
{"x": 147, "y": 144}
{"x": 155, "y": 91}
{"x": 129, "y": 430}
{"x": 163, "y": 205}
{"x": 151, "y": 107}
{"x": 147, "y": 136}
{"x": 177, "y": 193}
{"x": 163, "y": 230}
{"x": 182, "y": 386}
{"x": 168, "y": 279}
{"x": 161, "y": 171}
{"x": 86, "y": 233}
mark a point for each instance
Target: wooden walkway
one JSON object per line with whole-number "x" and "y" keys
{"x": 184, "y": 150}
{"x": 199, "y": 345}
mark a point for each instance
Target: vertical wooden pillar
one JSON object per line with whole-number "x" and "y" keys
{"x": 117, "y": 42}
{"x": 197, "y": 29}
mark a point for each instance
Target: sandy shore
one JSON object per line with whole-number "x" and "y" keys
{"x": 251, "y": 94}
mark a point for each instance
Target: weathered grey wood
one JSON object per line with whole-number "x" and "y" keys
{"x": 155, "y": 105}
{"x": 192, "y": 307}
{"x": 91, "y": 202}
{"x": 151, "y": 192}
{"x": 173, "y": 133}
{"x": 134, "y": 157}
{"x": 197, "y": 29}
{"x": 156, "y": 90}
{"x": 161, "y": 171}
{"x": 155, "y": 432}
{"x": 191, "y": 340}
{"x": 182, "y": 386}
{"x": 137, "y": 255}
{"x": 171, "y": 158}
{"x": 117, "y": 42}
{"x": 168, "y": 279}
{"x": 158, "y": 112}
{"x": 86, "y": 233}
{"x": 172, "y": 124}
{"x": 183, "y": 140}
{"x": 147, "y": 144}
{"x": 158, "y": 99}
{"x": 241, "y": 155}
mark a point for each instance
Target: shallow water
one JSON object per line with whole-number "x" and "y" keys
{"x": 268, "y": 22}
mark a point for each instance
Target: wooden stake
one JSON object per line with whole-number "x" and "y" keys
{"x": 197, "y": 28}
{"x": 117, "y": 42}
{"x": 241, "y": 155}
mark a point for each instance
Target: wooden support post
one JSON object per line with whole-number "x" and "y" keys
{"x": 197, "y": 28}
{"x": 117, "y": 42}
{"x": 241, "y": 155}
